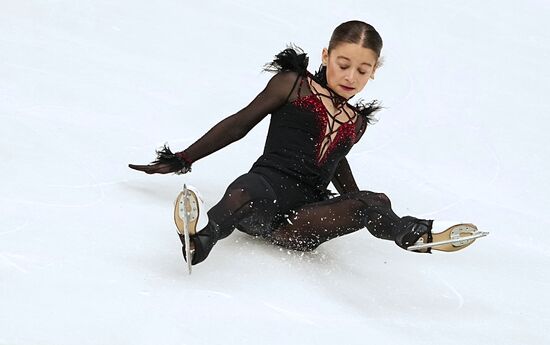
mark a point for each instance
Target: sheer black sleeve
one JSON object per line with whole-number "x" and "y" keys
{"x": 290, "y": 65}
{"x": 343, "y": 179}
{"x": 239, "y": 124}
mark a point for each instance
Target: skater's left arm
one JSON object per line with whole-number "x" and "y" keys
{"x": 343, "y": 179}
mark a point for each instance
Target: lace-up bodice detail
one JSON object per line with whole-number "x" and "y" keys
{"x": 333, "y": 128}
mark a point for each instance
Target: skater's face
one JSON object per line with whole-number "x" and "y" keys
{"x": 349, "y": 68}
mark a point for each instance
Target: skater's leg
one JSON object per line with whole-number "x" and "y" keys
{"x": 249, "y": 203}
{"x": 312, "y": 224}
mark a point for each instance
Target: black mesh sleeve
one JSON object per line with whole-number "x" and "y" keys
{"x": 239, "y": 124}
{"x": 361, "y": 127}
{"x": 343, "y": 179}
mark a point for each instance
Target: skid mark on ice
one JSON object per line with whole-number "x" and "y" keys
{"x": 458, "y": 295}
{"x": 290, "y": 314}
{"x": 56, "y": 204}
{"x": 217, "y": 293}
{"x": 23, "y": 117}
{"x": 448, "y": 293}
{"x": 10, "y": 260}
{"x": 16, "y": 229}
{"x": 209, "y": 292}
{"x": 91, "y": 185}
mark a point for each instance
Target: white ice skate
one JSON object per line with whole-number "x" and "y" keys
{"x": 186, "y": 216}
{"x": 456, "y": 237}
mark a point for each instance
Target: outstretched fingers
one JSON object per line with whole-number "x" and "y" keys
{"x": 159, "y": 168}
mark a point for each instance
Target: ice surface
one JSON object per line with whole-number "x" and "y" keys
{"x": 88, "y": 250}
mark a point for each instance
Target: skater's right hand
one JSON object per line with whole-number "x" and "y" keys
{"x": 166, "y": 162}
{"x": 158, "y": 168}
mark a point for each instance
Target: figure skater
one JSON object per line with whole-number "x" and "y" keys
{"x": 284, "y": 196}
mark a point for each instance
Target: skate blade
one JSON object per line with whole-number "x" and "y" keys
{"x": 186, "y": 205}
{"x": 186, "y": 215}
{"x": 455, "y": 238}
{"x": 188, "y": 257}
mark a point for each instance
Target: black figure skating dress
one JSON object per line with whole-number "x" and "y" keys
{"x": 284, "y": 196}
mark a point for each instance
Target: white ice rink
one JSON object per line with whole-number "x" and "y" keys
{"x": 88, "y": 250}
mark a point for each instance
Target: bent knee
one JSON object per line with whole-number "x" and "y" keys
{"x": 374, "y": 199}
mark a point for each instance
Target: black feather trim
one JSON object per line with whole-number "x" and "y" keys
{"x": 292, "y": 58}
{"x": 368, "y": 109}
{"x": 166, "y": 156}
{"x": 320, "y": 76}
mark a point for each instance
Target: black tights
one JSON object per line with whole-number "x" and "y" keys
{"x": 315, "y": 223}
{"x": 252, "y": 205}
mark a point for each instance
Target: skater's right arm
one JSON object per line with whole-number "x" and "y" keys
{"x": 236, "y": 126}
{"x": 227, "y": 131}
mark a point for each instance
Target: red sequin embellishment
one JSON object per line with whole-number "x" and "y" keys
{"x": 346, "y": 131}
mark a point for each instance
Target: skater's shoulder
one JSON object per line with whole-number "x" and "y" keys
{"x": 285, "y": 79}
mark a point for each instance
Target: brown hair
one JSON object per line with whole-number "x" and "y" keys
{"x": 358, "y": 32}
